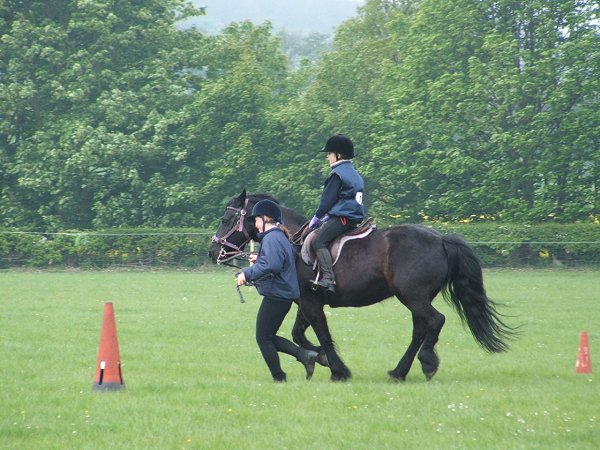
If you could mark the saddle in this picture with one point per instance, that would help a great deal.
(363, 230)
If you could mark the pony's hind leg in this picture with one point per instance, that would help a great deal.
(405, 363)
(427, 355)
(427, 324)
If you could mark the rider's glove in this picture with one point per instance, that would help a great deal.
(314, 222)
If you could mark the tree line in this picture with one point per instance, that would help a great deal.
(113, 116)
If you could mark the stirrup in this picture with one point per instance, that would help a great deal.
(314, 283)
(322, 286)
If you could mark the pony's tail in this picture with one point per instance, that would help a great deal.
(466, 293)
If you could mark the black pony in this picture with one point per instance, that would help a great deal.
(411, 262)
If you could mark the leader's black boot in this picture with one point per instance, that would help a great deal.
(308, 358)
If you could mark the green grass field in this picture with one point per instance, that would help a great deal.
(195, 379)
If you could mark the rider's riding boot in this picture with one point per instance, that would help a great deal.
(308, 358)
(327, 282)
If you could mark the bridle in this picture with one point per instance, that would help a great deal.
(229, 251)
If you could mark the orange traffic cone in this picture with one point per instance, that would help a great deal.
(108, 369)
(584, 363)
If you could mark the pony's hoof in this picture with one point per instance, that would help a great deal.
(338, 378)
(429, 375)
(396, 378)
(343, 376)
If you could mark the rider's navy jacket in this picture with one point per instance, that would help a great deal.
(276, 262)
(342, 193)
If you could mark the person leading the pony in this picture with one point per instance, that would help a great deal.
(274, 274)
(340, 208)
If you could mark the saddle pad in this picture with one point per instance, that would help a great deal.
(308, 255)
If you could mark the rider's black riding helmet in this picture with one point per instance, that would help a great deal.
(340, 143)
(266, 208)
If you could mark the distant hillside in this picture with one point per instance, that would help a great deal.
(297, 16)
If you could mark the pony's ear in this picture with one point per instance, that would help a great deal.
(240, 199)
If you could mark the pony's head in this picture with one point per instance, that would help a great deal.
(233, 233)
(235, 230)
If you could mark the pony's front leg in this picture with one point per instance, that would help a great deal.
(312, 311)
(299, 332)
(299, 337)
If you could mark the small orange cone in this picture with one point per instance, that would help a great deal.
(108, 369)
(584, 363)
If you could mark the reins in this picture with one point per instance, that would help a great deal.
(251, 283)
(297, 238)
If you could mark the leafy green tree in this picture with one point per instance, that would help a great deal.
(485, 94)
(347, 93)
(110, 115)
(229, 134)
(533, 79)
(90, 94)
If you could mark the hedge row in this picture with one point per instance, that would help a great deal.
(495, 244)
(541, 245)
(112, 248)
